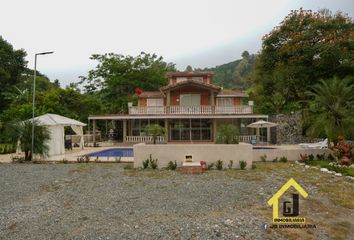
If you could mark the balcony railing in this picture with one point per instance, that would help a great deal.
(146, 139)
(161, 139)
(191, 110)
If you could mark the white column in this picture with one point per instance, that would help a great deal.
(124, 130)
(94, 131)
(166, 131)
(268, 135)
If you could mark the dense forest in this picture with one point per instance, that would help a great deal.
(236, 74)
(305, 64)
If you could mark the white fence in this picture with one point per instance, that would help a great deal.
(146, 139)
(161, 139)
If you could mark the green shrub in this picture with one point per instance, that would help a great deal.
(5, 149)
(227, 134)
(311, 157)
(330, 157)
(321, 156)
(275, 159)
(242, 164)
(254, 166)
(146, 163)
(210, 166)
(150, 162)
(172, 165)
(263, 158)
(219, 164)
(283, 159)
(230, 164)
(153, 163)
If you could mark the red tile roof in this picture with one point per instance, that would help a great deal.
(188, 74)
(232, 93)
(156, 94)
(193, 82)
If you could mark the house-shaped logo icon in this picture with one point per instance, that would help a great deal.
(274, 201)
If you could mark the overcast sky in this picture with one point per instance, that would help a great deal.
(202, 33)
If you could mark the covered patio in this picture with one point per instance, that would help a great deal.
(181, 128)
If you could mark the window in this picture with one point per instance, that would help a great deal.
(197, 79)
(190, 129)
(225, 102)
(154, 102)
(180, 79)
(190, 100)
(138, 125)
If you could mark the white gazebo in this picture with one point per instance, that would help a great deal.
(55, 124)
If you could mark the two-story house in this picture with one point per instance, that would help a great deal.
(190, 108)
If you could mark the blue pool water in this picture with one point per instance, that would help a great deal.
(113, 152)
(262, 148)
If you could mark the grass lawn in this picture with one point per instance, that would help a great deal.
(347, 171)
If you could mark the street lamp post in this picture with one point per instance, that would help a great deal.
(34, 98)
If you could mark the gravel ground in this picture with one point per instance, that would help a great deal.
(105, 201)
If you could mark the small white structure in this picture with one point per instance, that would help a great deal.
(55, 124)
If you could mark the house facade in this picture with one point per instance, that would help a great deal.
(190, 108)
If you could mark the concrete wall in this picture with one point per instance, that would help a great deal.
(290, 154)
(206, 152)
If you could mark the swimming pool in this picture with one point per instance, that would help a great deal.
(263, 148)
(113, 152)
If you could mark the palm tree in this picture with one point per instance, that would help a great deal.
(330, 108)
(23, 132)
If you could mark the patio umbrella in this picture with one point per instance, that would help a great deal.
(261, 124)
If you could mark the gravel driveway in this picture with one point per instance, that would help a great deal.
(105, 201)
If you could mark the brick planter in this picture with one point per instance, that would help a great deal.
(192, 168)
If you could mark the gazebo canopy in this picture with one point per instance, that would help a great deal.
(50, 119)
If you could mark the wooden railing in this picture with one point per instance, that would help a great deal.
(147, 139)
(191, 110)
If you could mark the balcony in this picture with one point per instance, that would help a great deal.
(191, 110)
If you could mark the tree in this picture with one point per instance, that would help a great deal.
(189, 69)
(23, 132)
(306, 47)
(154, 130)
(227, 134)
(117, 76)
(243, 70)
(330, 109)
(12, 65)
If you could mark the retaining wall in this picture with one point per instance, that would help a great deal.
(200, 152)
